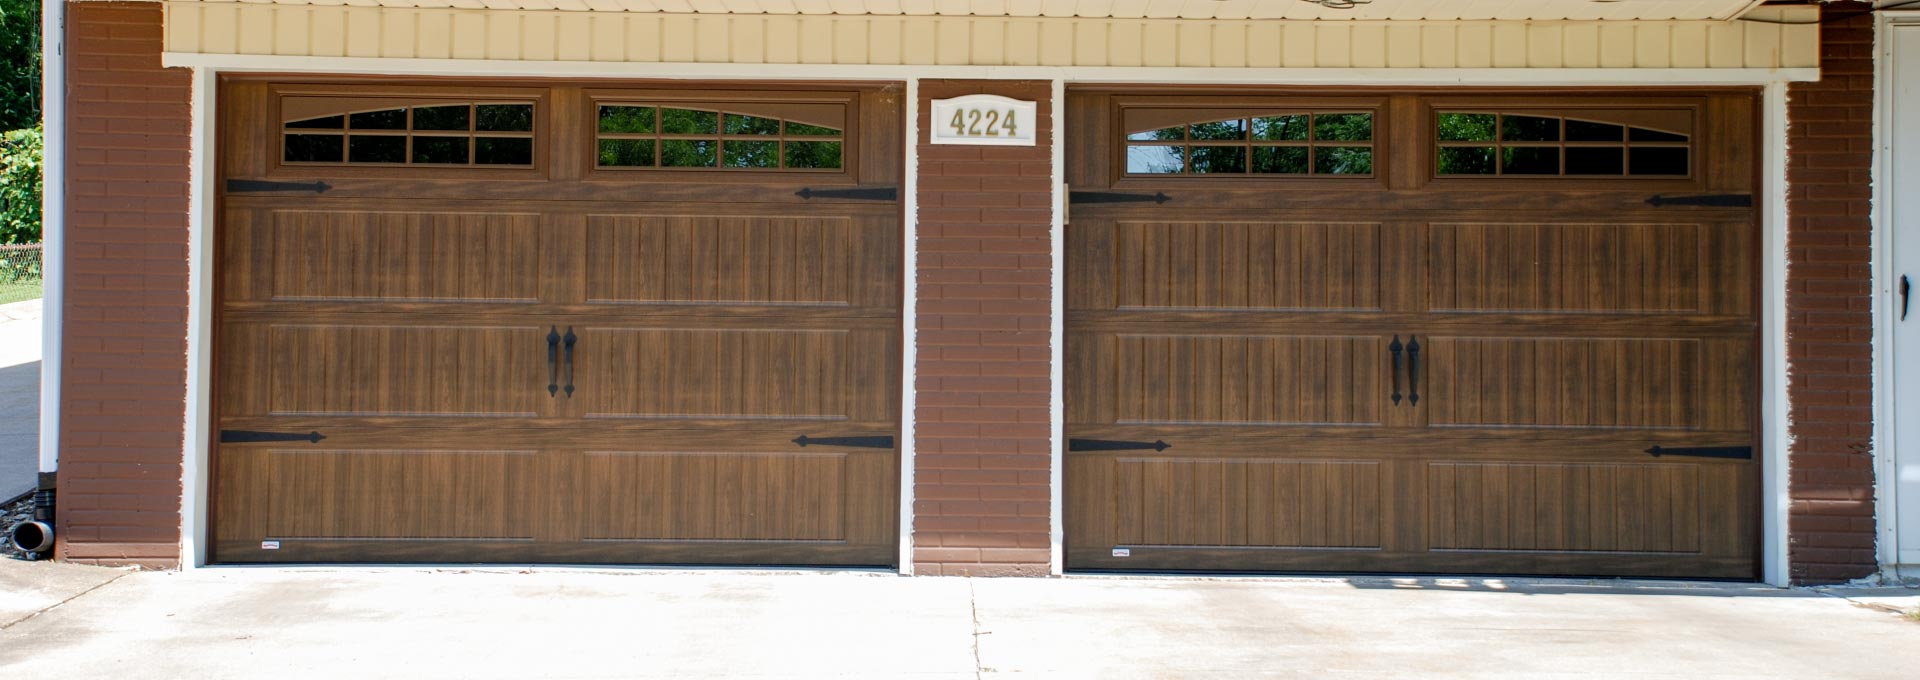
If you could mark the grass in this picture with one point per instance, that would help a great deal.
(17, 291)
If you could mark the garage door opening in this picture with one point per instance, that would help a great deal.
(539, 322)
(1500, 332)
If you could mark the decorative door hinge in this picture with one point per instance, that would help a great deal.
(876, 194)
(1737, 452)
(250, 436)
(247, 186)
(1084, 197)
(1111, 445)
(1710, 200)
(880, 442)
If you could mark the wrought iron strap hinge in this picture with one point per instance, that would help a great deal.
(1085, 197)
(880, 442)
(1709, 201)
(247, 186)
(251, 436)
(1735, 452)
(877, 194)
(1111, 445)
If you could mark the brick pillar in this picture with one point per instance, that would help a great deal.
(981, 471)
(125, 367)
(1830, 305)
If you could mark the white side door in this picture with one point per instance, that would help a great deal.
(1903, 212)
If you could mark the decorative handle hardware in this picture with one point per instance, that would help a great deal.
(874, 194)
(249, 436)
(553, 361)
(1905, 288)
(1413, 371)
(571, 338)
(881, 442)
(1394, 349)
(1709, 201)
(1116, 197)
(1111, 445)
(1736, 452)
(247, 186)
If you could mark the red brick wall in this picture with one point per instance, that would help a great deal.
(1830, 306)
(124, 372)
(981, 471)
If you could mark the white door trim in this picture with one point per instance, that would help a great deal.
(1774, 404)
(1891, 29)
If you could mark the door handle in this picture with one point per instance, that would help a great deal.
(1394, 349)
(1413, 370)
(553, 361)
(571, 339)
(1906, 287)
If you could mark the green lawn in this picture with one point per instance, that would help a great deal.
(15, 292)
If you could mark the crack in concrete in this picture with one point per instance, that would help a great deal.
(973, 604)
(56, 605)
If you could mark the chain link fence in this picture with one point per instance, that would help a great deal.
(20, 264)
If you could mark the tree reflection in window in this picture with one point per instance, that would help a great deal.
(1488, 144)
(641, 136)
(1277, 143)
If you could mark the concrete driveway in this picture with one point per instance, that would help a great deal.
(19, 398)
(71, 621)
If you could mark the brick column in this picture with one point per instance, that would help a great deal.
(125, 366)
(1830, 305)
(981, 471)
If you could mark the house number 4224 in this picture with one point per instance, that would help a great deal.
(971, 122)
(983, 119)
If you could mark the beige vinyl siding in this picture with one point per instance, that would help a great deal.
(367, 31)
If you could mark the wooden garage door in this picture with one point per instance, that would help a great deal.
(541, 323)
(1490, 333)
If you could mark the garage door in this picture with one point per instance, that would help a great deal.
(542, 323)
(1502, 332)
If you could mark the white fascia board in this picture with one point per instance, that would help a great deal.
(1072, 74)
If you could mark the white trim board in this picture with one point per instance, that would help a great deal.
(1077, 74)
(1775, 504)
(909, 308)
(194, 484)
(1056, 336)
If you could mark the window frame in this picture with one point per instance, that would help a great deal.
(411, 97)
(1701, 143)
(719, 101)
(1213, 107)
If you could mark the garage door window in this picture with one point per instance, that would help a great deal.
(643, 136)
(1593, 144)
(348, 132)
(1268, 143)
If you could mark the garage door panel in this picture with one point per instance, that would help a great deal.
(1586, 383)
(375, 494)
(1248, 379)
(412, 371)
(1247, 265)
(1570, 268)
(1573, 507)
(406, 256)
(718, 373)
(702, 259)
(1237, 502)
(715, 496)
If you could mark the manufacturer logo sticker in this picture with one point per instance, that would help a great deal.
(1123, 552)
(269, 545)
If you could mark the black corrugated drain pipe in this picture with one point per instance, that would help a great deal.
(35, 536)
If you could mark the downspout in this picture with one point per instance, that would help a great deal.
(53, 220)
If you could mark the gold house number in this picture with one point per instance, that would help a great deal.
(972, 122)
